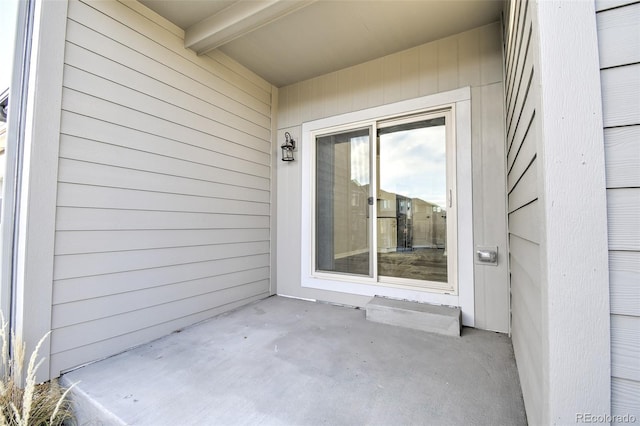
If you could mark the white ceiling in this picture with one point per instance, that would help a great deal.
(322, 36)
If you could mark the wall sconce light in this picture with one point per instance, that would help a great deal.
(288, 147)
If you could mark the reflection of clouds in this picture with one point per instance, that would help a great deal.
(413, 164)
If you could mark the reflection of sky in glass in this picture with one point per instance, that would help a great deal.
(413, 164)
(360, 160)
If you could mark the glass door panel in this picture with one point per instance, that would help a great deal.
(342, 190)
(412, 200)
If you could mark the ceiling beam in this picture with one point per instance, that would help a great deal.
(239, 19)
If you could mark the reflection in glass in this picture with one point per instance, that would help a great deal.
(412, 194)
(342, 192)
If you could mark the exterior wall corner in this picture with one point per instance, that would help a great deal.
(574, 261)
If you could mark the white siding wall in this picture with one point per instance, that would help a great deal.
(557, 220)
(472, 58)
(523, 205)
(619, 43)
(163, 208)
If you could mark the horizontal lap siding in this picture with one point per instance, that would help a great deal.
(619, 44)
(472, 58)
(163, 188)
(525, 227)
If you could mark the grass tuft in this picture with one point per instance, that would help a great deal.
(32, 404)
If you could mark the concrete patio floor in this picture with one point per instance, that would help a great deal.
(282, 361)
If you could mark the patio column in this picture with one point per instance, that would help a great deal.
(574, 260)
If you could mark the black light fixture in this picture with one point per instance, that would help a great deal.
(288, 147)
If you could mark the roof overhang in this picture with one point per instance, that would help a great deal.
(286, 41)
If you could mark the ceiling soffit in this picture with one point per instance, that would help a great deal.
(286, 41)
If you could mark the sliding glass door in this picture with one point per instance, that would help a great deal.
(384, 201)
(343, 185)
(412, 199)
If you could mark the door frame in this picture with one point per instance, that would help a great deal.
(374, 277)
(459, 101)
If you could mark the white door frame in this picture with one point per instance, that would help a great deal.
(460, 99)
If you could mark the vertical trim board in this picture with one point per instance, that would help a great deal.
(571, 161)
(36, 195)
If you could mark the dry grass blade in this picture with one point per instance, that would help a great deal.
(59, 406)
(31, 380)
(33, 404)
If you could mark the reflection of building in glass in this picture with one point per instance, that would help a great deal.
(387, 222)
(409, 223)
(403, 223)
(350, 211)
(429, 224)
(342, 188)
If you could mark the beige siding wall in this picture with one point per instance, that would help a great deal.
(163, 210)
(472, 58)
(523, 205)
(619, 44)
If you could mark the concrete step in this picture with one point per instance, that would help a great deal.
(445, 320)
